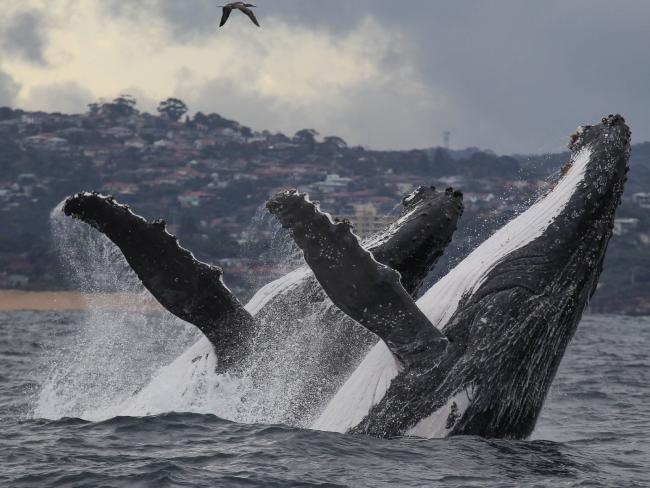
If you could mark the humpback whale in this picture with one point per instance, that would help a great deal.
(284, 316)
(475, 354)
(478, 352)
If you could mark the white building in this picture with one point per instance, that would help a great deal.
(367, 221)
(642, 199)
(332, 183)
(623, 226)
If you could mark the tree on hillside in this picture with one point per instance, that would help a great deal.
(246, 132)
(93, 108)
(122, 106)
(172, 108)
(7, 113)
(335, 141)
(201, 118)
(125, 104)
(306, 136)
(332, 147)
(215, 121)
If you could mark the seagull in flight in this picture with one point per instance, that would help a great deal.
(244, 7)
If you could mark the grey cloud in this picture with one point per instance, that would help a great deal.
(192, 19)
(519, 76)
(68, 97)
(24, 35)
(523, 75)
(186, 21)
(230, 100)
(350, 115)
(8, 90)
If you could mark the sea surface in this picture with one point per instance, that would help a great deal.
(594, 430)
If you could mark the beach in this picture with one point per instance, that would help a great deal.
(15, 300)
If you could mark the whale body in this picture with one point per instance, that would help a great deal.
(506, 313)
(476, 354)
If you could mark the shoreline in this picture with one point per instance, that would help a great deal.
(53, 301)
(18, 300)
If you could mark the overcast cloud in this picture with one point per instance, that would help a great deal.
(511, 75)
(22, 34)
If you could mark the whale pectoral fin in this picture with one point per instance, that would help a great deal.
(415, 241)
(190, 289)
(366, 290)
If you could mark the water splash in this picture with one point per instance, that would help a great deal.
(270, 252)
(117, 349)
(141, 360)
(137, 361)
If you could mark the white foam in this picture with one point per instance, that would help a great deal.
(190, 383)
(115, 367)
(112, 353)
(275, 288)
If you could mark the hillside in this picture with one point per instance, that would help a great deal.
(209, 177)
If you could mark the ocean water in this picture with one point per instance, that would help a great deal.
(594, 430)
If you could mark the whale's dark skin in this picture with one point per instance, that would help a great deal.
(504, 343)
(195, 292)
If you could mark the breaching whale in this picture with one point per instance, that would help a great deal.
(476, 354)
(281, 321)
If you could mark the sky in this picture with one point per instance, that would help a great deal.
(507, 75)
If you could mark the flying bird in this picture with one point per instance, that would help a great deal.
(244, 7)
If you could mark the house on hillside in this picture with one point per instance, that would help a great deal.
(642, 199)
(367, 220)
(48, 142)
(623, 226)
